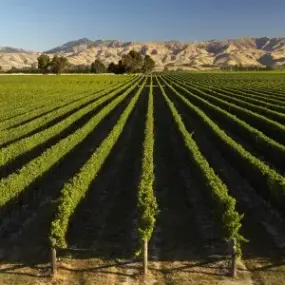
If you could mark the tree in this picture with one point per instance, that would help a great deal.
(98, 66)
(14, 69)
(133, 61)
(43, 63)
(81, 68)
(112, 68)
(58, 64)
(1, 69)
(148, 64)
(117, 68)
(34, 66)
(165, 69)
(120, 68)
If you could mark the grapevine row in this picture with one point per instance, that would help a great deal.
(275, 94)
(51, 107)
(14, 150)
(266, 180)
(274, 151)
(230, 98)
(147, 206)
(252, 96)
(40, 102)
(229, 219)
(263, 97)
(47, 112)
(15, 183)
(75, 189)
(25, 129)
(271, 128)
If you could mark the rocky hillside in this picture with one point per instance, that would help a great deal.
(199, 55)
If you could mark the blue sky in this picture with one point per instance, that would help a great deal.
(44, 24)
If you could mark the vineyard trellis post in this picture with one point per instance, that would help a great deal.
(53, 257)
(234, 257)
(145, 257)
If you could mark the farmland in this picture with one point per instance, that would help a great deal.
(105, 166)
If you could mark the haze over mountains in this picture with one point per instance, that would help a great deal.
(198, 55)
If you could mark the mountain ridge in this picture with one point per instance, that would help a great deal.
(262, 51)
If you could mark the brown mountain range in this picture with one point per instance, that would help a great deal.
(174, 54)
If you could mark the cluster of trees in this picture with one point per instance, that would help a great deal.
(27, 70)
(133, 62)
(55, 65)
(59, 64)
(98, 67)
(166, 69)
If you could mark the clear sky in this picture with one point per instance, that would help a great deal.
(44, 24)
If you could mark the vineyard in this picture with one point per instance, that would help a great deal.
(173, 175)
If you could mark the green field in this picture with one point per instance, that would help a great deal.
(100, 164)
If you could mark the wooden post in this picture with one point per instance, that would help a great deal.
(53, 257)
(234, 258)
(145, 257)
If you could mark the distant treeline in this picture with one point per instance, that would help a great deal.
(250, 68)
(133, 62)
